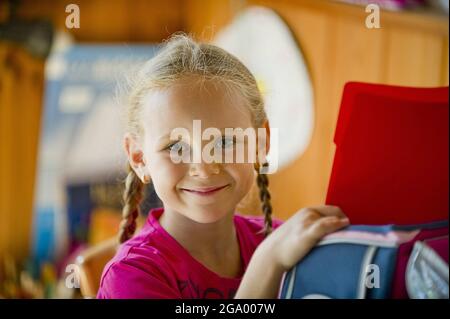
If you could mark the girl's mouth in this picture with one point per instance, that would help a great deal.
(204, 191)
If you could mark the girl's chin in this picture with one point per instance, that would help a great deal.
(205, 215)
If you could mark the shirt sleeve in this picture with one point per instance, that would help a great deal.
(131, 280)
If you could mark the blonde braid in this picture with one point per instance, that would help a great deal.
(132, 197)
(263, 183)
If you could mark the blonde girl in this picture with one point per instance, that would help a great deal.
(197, 245)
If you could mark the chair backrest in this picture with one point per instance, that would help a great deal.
(91, 263)
(392, 154)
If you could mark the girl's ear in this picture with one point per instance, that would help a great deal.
(135, 156)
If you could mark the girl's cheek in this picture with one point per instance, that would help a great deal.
(166, 177)
(243, 175)
(170, 172)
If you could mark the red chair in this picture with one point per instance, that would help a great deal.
(392, 155)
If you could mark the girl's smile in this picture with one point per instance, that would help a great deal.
(208, 196)
(204, 191)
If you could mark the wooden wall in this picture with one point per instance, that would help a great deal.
(408, 49)
(21, 88)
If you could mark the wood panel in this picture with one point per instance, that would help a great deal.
(6, 176)
(21, 79)
(415, 59)
(204, 19)
(111, 20)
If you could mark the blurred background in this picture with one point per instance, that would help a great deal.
(61, 158)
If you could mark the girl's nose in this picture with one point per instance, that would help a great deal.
(204, 170)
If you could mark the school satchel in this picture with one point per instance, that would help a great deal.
(390, 171)
(374, 262)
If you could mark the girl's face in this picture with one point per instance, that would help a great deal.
(202, 192)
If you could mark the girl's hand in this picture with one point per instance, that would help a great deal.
(291, 241)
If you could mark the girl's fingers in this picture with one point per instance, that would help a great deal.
(329, 210)
(327, 225)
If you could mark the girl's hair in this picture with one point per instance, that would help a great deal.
(181, 56)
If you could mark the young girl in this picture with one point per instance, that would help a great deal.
(197, 246)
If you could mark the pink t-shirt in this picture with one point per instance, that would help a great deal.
(154, 265)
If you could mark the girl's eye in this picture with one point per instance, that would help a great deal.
(225, 142)
(178, 147)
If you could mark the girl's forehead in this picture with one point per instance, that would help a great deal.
(178, 106)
